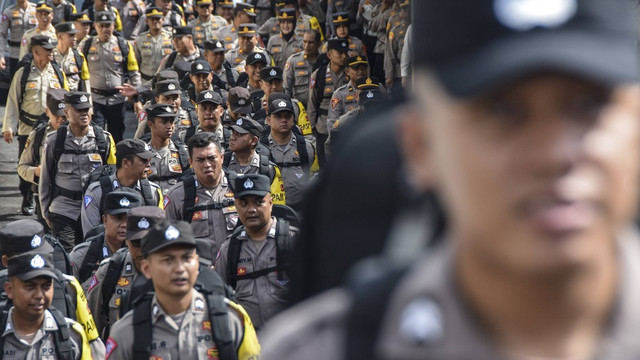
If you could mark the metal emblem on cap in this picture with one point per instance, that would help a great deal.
(344, 44)
(239, 122)
(36, 241)
(241, 102)
(369, 94)
(104, 17)
(248, 184)
(273, 72)
(219, 44)
(171, 233)
(368, 81)
(37, 262)
(62, 106)
(83, 98)
(171, 87)
(522, 15)
(208, 95)
(199, 66)
(125, 202)
(167, 109)
(282, 104)
(258, 56)
(421, 322)
(143, 224)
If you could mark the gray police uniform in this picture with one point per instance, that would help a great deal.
(94, 291)
(393, 51)
(252, 168)
(25, 42)
(297, 72)
(71, 70)
(130, 13)
(150, 50)
(27, 165)
(282, 49)
(13, 25)
(213, 225)
(344, 99)
(263, 296)
(219, 133)
(189, 339)
(165, 167)
(43, 343)
(378, 25)
(269, 27)
(199, 53)
(182, 123)
(79, 252)
(205, 30)
(90, 212)
(170, 20)
(222, 74)
(355, 45)
(332, 82)
(60, 11)
(295, 177)
(237, 58)
(228, 35)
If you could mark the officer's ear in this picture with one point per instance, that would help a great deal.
(415, 146)
(8, 288)
(5, 261)
(144, 267)
(104, 219)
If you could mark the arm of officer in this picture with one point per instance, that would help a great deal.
(90, 209)
(12, 110)
(173, 202)
(47, 174)
(26, 168)
(312, 156)
(390, 58)
(119, 345)
(5, 22)
(244, 334)
(221, 260)
(139, 26)
(311, 106)
(94, 296)
(83, 314)
(79, 343)
(132, 67)
(289, 81)
(336, 108)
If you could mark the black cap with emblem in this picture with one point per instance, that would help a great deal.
(120, 201)
(251, 184)
(166, 233)
(66, 27)
(214, 45)
(141, 219)
(21, 236)
(55, 101)
(256, 57)
(161, 111)
(245, 125)
(239, 100)
(247, 8)
(31, 264)
(200, 67)
(355, 61)
(280, 105)
(153, 13)
(104, 17)
(168, 87)
(338, 44)
(179, 31)
(81, 17)
(340, 18)
(78, 100)
(42, 40)
(271, 73)
(368, 97)
(209, 96)
(287, 14)
(367, 83)
(134, 146)
(44, 6)
(247, 30)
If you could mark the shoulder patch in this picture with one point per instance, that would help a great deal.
(87, 200)
(110, 346)
(166, 201)
(94, 283)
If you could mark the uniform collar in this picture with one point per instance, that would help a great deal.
(198, 305)
(48, 325)
(270, 235)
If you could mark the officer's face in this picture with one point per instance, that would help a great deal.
(342, 31)
(104, 30)
(241, 142)
(356, 73)
(254, 211)
(138, 167)
(155, 23)
(246, 43)
(31, 297)
(83, 30)
(44, 18)
(207, 165)
(209, 115)
(309, 44)
(243, 18)
(204, 11)
(183, 43)
(41, 54)
(201, 82)
(215, 59)
(281, 122)
(115, 227)
(164, 5)
(67, 40)
(337, 57)
(535, 177)
(174, 100)
(136, 252)
(286, 27)
(226, 13)
(79, 118)
(253, 71)
(269, 87)
(55, 121)
(173, 270)
(161, 128)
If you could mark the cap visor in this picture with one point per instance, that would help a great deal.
(239, 130)
(136, 235)
(246, 109)
(279, 110)
(147, 154)
(116, 211)
(199, 72)
(82, 106)
(36, 273)
(251, 193)
(167, 244)
(606, 59)
(171, 92)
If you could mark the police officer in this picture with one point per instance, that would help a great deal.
(82, 24)
(86, 256)
(26, 102)
(209, 116)
(225, 10)
(256, 244)
(71, 154)
(324, 81)
(253, 64)
(341, 6)
(185, 49)
(130, 11)
(168, 92)
(247, 41)
(175, 298)
(112, 62)
(286, 42)
(238, 104)
(44, 15)
(224, 76)
(345, 98)
(206, 24)
(99, 6)
(133, 158)
(243, 13)
(62, 10)
(341, 23)
(29, 165)
(72, 62)
(201, 78)
(127, 260)
(205, 199)
(378, 26)
(299, 66)
(172, 17)
(393, 48)
(242, 157)
(293, 155)
(16, 19)
(172, 158)
(152, 45)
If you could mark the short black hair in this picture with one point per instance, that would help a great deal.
(119, 159)
(316, 34)
(202, 140)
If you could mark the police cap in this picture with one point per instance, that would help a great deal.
(286, 14)
(280, 105)
(66, 27)
(247, 8)
(200, 67)
(42, 40)
(21, 236)
(239, 100)
(247, 29)
(370, 96)
(338, 44)
(209, 96)
(141, 219)
(55, 101)
(168, 87)
(136, 147)
(179, 31)
(245, 125)
(340, 18)
(120, 201)
(270, 73)
(44, 6)
(81, 17)
(167, 75)
(165, 233)
(367, 83)
(214, 45)
(153, 13)
(356, 61)
(251, 184)
(31, 264)
(256, 57)
(104, 17)
(78, 100)
(161, 111)
(227, 4)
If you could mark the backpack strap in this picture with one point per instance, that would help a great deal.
(171, 59)
(228, 74)
(233, 256)
(283, 247)
(220, 331)
(95, 253)
(147, 192)
(183, 156)
(23, 79)
(62, 337)
(301, 143)
(59, 74)
(191, 130)
(189, 198)
(227, 159)
(101, 143)
(319, 86)
(87, 45)
(265, 166)
(38, 138)
(114, 269)
(142, 329)
(106, 185)
(226, 135)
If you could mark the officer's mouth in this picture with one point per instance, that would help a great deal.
(180, 281)
(38, 307)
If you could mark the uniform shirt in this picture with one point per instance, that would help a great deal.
(318, 113)
(34, 98)
(219, 133)
(170, 20)
(344, 99)
(60, 11)
(74, 73)
(236, 58)
(182, 122)
(297, 72)
(14, 23)
(274, 174)
(190, 340)
(356, 46)
(109, 68)
(150, 50)
(94, 291)
(337, 128)
(295, 177)
(393, 51)
(222, 75)
(205, 30)
(199, 53)
(378, 25)
(71, 171)
(281, 49)
(25, 43)
(26, 165)
(130, 12)
(165, 167)
(269, 28)
(264, 296)
(79, 252)
(228, 36)
(43, 345)
(213, 225)
(91, 214)
(306, 22)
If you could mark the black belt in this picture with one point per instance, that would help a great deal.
(288, 164)
(164, 178)
(28, 119)
(13, 43)
(73, 195)
(105, 92)
(217, 205)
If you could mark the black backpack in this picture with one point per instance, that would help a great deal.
(96, 253)
(103, 174)
(301, 144)
(189, 205)
(38, 138)
(264, 163)
(25, 63)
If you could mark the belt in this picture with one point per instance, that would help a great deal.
(73, 195)
(105, 92)
(28, 119)
(13, 43)
(164, 178)
(216, 205)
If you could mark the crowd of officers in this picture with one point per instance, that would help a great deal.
(237, 105)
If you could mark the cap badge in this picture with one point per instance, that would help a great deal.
(273, 72)
(282, 104)
(241, 102)
(369, 95)
(245, 29)
(83, 98)
(239, 122)
(36, 241)
(421, 322)
(143, 224)
(199, 67)
(358, 58)
(124, 202)
(147, 147)
(171, 233)
(368, 81)
(522, 15)
(339, 17)
(219, 44)
(344, 44)
(167, 109)
(104, 17)
(62, 106)
(174, 31)
(208, 95)
(37, 262)
(258, 56)
(171, 87)
(248, 184)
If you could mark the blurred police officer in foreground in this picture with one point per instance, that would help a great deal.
(531, 139)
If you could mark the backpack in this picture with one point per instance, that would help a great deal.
(38, 139)
(103, 174)
(189, 206)
(264, 163)
(183, 158)
(61, 338)
(25, 62)
(171, 59)
(122, 44)
(301, 145)
(214, 291)
(95, 253)
(321, 81)
(226, 134)
(284, 245)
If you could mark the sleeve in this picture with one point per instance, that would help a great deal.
(313, 158)
(83, 313)
(132, 67)
(289, 80)
(111, 159)
(75, 259)
(311, 106)
(277, 187)
(249, 347)
(405, 58)
(137, 52)
(221, 261)
(24, 48)
(84, 71)
(26, 166)
(94, 297)
(80, 344)
(335, 110)
(119, 344)
(46, 175)
(173, 207)
(5, 22)
(12, 110)
(390, 56)
(139, 26)
(90, 208)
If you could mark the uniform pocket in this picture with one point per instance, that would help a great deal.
(65, 165)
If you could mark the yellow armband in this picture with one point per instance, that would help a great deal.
(277, 188)
(249, 347)
(85, 320)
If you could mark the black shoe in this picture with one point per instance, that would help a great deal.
(28, 205)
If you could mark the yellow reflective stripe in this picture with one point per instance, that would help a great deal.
(303, 121)
(277, 188)
(84, 70)
(132, 62)
(249, 347)
(316, 26)
(86, 350)
(118, 20)
(85, 320)
(160, 199)
(111, 160)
